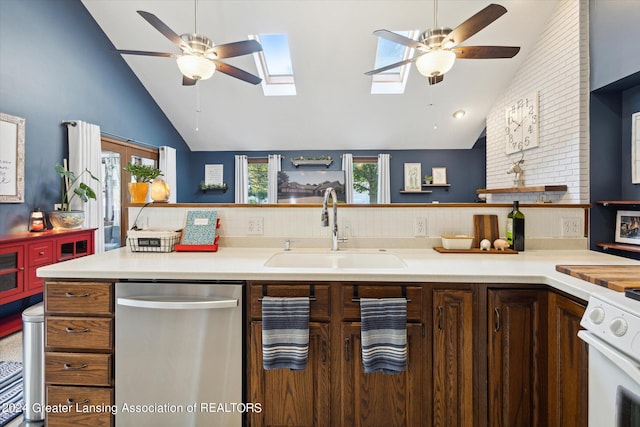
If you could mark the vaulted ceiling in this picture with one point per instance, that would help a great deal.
(331, 46)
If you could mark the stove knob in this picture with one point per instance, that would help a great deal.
(618, 326)
(596, 315)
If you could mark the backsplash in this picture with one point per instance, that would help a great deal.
(382, 226)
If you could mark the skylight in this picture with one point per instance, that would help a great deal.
(392, 81)
(274, 65)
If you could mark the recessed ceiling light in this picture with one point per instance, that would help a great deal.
(459, 114)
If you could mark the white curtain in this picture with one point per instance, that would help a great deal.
(384, 179)
(85, 153)
(167, 164)
(242, 179)
(347, 167)
(274, 166)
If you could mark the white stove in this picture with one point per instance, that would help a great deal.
(612, 330)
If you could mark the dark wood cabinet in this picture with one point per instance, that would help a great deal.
(517, 364)
(568, 364)
(21, 254)
(453, 357)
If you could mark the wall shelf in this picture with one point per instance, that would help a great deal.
(222, 189)
(416, 192)
(625, 203)
(619, 247)
(528, 189)
(445, 186)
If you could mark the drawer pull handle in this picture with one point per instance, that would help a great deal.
(41, 253)
(70, 295)
(70, 401)
(76, 331)
(70, 367)
(497, 325)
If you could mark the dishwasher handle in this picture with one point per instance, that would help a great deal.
(177, 302)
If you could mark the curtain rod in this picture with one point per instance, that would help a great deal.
(73, 123)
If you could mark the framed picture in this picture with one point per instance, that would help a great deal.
(412, 177)
(309, 186)
(439, 175)
(635, 148)
(11, 158)
(628, 227)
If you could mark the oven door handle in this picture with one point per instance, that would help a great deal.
(178, 303)
(617, 358)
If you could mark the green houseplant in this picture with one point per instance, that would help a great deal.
(72, 187)
(142, 175)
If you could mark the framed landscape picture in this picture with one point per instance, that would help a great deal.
(309, 186)
(628, 227)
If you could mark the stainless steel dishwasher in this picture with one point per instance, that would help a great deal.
(178, 354)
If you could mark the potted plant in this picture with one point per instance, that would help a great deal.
(142, 175)
(72, 187)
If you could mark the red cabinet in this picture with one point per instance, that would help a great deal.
(21, 254)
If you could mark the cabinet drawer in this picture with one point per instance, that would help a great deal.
(85, 406)
(351, 309)
(85, 333)
(41, 253)
(320, 309)
(78, 368)
(79, 298)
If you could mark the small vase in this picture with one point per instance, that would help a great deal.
(66, 219)
(138, 191)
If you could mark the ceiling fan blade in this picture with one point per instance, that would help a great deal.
(237, 73)
(186, 81)
(435, 79)
(397, 38)
(391, 66)
(474, 24)
(240, 48)
(163, 28)
(146, 53)
(485, 52)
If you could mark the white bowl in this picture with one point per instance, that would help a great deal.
(457, 241)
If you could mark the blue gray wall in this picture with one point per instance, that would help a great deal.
(57, 64)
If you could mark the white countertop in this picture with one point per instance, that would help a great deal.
(423, 265)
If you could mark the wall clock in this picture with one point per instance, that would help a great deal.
(521, 124)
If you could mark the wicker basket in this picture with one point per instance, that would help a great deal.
(152, 240)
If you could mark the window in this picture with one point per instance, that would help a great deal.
(392, 81)
(365, 180)
(274, 64)
(258, 181)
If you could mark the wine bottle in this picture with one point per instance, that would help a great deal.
(515, 228)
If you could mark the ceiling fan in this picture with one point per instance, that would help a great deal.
(438, 47)
(200, 57)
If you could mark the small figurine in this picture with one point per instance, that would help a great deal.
(500, 244)
(485, 244)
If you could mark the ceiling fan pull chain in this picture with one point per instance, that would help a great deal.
(435, 13)
(196, 17)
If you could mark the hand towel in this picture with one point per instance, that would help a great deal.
(285, 332)
(384, 334)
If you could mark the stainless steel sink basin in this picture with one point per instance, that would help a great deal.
(338, 259)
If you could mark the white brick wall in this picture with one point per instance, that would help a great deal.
(558, 69)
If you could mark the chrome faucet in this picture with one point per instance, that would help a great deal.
(324, 220)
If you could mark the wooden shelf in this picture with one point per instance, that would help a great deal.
(619, 202)
(619, 247)
(436, 185)
(416, 192)
(529, 189)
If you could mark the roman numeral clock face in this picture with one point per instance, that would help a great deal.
(521, 124)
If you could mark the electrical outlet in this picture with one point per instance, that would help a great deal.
(255, 225)
(420, 227)
(570, 227)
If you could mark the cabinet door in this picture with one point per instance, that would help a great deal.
(453, 357)
(517, 357)
(12, 272)
(568, 363)
(378, 399)
(291, 398)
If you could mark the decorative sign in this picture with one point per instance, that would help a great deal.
(11, 158)
(213, 174)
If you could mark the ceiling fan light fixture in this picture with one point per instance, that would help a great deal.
(196, 67)
(435, 62)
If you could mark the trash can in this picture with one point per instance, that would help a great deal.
(33, 362)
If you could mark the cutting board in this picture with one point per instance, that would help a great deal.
(615, 277)
(485, 227)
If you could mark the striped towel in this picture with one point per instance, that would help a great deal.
(285, 332)
(384, 334)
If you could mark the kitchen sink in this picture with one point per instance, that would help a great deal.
(337, 259)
